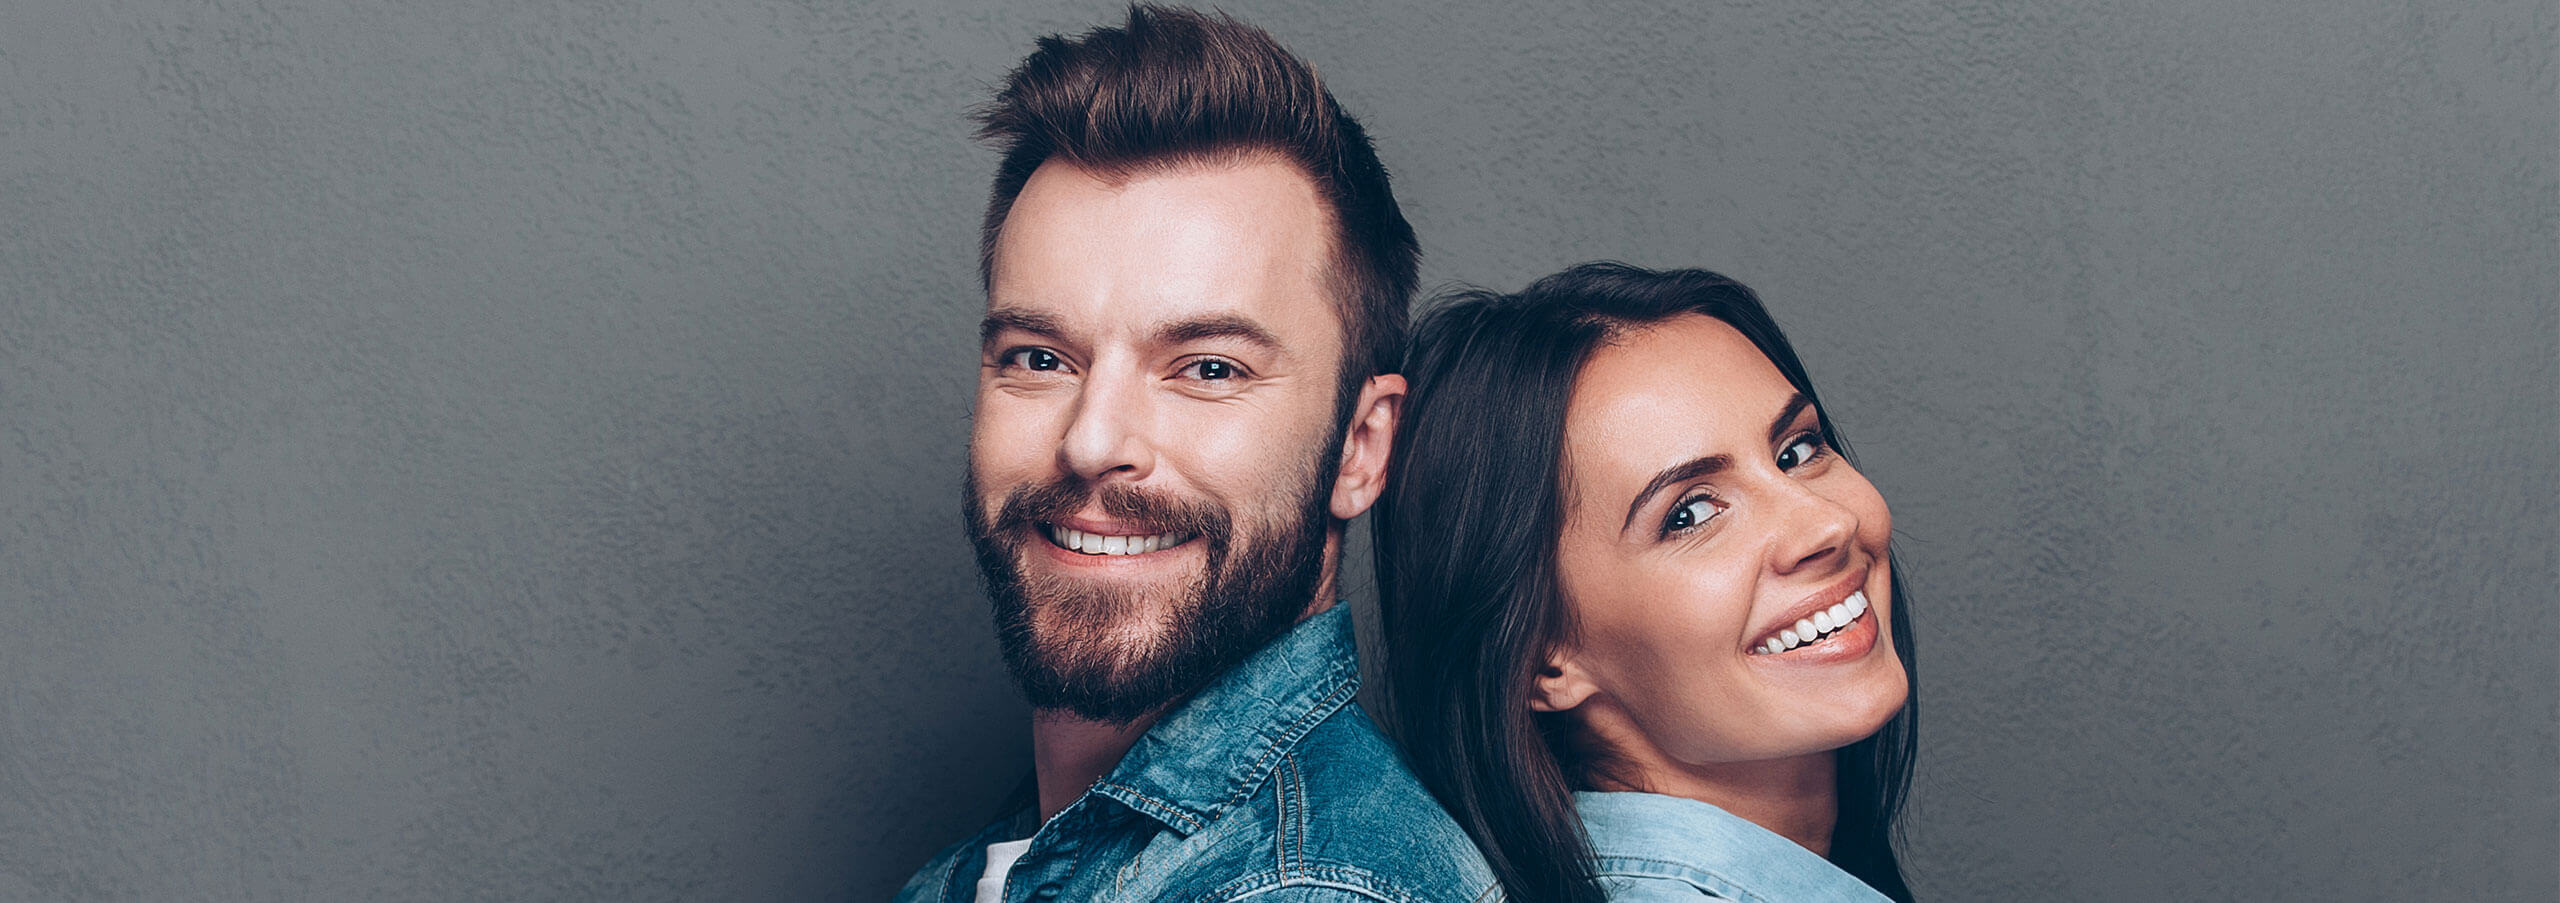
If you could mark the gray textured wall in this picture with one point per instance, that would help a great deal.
(509, 450)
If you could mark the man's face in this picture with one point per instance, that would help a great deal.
(1155, 443)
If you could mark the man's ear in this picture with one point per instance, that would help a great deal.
(1561, 684)
(1369, 440)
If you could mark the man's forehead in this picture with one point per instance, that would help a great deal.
(1258, 208)
(1176, 327)
(1157, 252)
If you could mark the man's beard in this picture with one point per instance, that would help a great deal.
(1084, 646)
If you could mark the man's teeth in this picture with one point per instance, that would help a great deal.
(1098, 544)
(1820, 626)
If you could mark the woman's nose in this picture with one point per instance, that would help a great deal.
(1814, 530)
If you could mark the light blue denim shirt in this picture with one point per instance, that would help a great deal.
(1269, 784)
(1655, 847)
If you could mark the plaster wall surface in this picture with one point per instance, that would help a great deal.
(495, 450)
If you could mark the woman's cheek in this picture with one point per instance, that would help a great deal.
(1875, 520)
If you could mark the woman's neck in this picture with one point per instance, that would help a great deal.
(1797, 798)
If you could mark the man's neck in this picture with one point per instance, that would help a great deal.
(1070, 752)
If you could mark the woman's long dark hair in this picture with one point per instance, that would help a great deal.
(1466, 558)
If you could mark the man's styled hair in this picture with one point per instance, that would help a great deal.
(1175, 87)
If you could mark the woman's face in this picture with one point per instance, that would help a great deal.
(1725, 567)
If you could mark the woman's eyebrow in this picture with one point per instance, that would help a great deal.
(1712, 464)
(1679, 473)
(1787, 417)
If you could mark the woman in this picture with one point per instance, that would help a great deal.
(1644, 632)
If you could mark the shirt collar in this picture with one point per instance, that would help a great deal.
(1651, 828)
(1213, 750)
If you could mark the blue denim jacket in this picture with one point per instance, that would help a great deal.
(1655, 847)
(1269, 784)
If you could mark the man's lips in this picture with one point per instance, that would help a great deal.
(1123, 541)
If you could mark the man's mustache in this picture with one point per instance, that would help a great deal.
(1056, 500)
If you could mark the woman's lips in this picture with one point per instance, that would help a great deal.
(1818, 628)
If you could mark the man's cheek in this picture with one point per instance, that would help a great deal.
(1002, 454)
(1248, 437)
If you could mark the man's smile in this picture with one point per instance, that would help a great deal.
(1085, 543)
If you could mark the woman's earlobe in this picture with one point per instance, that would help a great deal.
(1559, 687)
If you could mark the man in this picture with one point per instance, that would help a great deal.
(1196, 287)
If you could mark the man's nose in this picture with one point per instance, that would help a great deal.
(1109, 437)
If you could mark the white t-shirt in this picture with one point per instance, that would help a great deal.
(1000, 857)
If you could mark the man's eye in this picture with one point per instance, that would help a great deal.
(1805, 448)
(1690, 514)
(1212, 369)
(1034, 359)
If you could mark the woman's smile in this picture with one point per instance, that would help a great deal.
(1835, 624)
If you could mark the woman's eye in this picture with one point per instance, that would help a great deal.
(1034, 359)
(1805, 448)
(1690, 514)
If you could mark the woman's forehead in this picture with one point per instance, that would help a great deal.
(1665, 393)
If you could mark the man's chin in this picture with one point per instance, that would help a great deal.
(1111, 671)
(1113, 634)
(1102, 627)
(1118, 656)
(1102, 685)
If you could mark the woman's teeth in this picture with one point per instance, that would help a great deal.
(1098, 544)
(1820, 626)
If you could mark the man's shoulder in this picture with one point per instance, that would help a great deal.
(1349, 764)
(930, 883)
(1350, 813)
(1313, 892)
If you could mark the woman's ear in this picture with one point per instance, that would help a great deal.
(1561, 684)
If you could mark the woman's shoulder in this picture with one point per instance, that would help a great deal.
(1647, 846)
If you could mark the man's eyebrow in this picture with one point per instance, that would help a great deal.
(1787, 417)
(1007, 318)
(1217, 326)
(1680, 473)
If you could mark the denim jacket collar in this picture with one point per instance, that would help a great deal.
(1649, 835)
(1212, 751)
